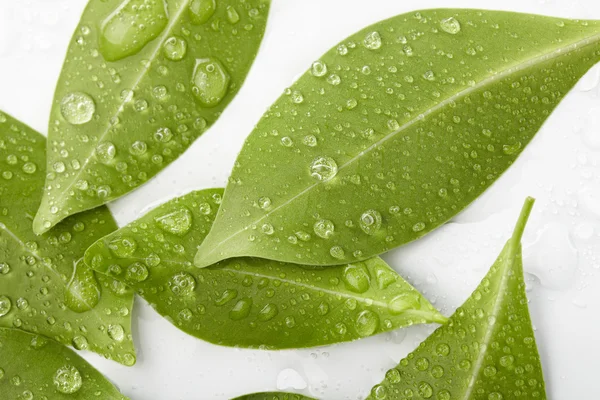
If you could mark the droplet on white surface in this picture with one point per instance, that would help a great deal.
(290, 379)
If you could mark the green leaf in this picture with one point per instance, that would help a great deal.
(130, 100)
(252, 302)
(45, 287)
(394, 131)
(34, 367)
(487, 349)
(273, 396)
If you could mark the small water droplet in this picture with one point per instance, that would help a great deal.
(175, 48)
(122, 247)
(372, 41)
(210, 82)
(5, 305)
(366, 323)
(318, 69)
(450, 25)
(83, 290)
(177, 222)
(324, 228)
(116, 332)
(77, 108)
(356, 278)
(337, 252)
(370, 222)
(323, 168)
(232, 15)
(106, 152)
(201, 10)
(67, 379)
(183, 284)
(241, 309)
(136, 273)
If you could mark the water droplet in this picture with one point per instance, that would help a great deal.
(4, 268)
(366, 323)
(442, 349)
(29, 168)
(267, 229)
(210, 82)
(83, 290)
(334, 79)
(232, 15)
(425, 390)
(297, 97)
(226, 297)
(450, 25)
(123, 247)
(205, 208)
(163, 135)
(370, 222)
(356, 278)
(138, 148)
(132, 25)
(77, 108)
(372, 41)
(418, 227)
(268, 312)
(201, 10)
(429, 75)
(318, 69)
(116, 332)
(80, 342)
(5, 305)
(241, 309)
(136, 272)
(67, 379)
(337, 252)
(175, 48)
(264, 203)
(510, 149)
(404, 302)
(178, 222)
(324, 228)
(323, 168)
(287, 141)
(183, 284)
(310, 140)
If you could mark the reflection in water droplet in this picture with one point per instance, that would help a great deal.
(323, 168)
(83, 290)
(210, 82)
(77, 108)
(67, 379)
(132, 25)
(178, 222)
(201, 10)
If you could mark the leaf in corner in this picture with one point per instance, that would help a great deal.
(45, 287)
(141, 81)
(273, 396)
(486, 350)
(394, 131)
(35, 367)
(252, 302)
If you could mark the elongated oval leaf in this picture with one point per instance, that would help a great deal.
(252, 302)
(394, 131)
(487, 349)
(34, 367)
(273, 396)
(141, 81)
(45, 287)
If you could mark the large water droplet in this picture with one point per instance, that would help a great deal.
(323, 168)
(367, 323)
(177, 222)
(324, 228)
(77, 108)
(370, 222)
(116, 332)
(183, 284)
(5, 305)
(210, 82)
(241, 309)
(201, 10)
(67, 379)
(132, 25)
(450, 25)
(175, 48)
(403, 302)
(83, 290)
(372, 41)
(356, 278)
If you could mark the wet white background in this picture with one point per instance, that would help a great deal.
(561, 168)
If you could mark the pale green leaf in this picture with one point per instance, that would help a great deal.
(142, 79)
(273, 396)
(45, 287)
(394, 131)
(252, 302)
(34, 367)
(486, 351)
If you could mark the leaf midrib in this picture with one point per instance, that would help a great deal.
(142, 75)
(555, 53)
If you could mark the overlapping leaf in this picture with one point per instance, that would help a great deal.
(141, 81)
(34, 367)
(45, 287)
(252, 302)
(394, 131)
(487, 349)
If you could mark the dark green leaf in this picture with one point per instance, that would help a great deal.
(141, 81)
(45, 287)
(487, 349)
(34, 367)
(273, 396)
(252, 302)
(394, 131)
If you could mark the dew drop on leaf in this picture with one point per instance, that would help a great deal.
(77, 108)
(67, 379)
(175, 48)
(323, 168)
(450, 25)
(210, 82)
(178, 222)
(122, 247)
(201, 10)
(324, 228)
(183, 284)
(5, 305)
(370, 222)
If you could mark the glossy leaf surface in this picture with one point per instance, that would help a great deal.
(273, 396)
(45, 287)
(487, 349)
(252, 302)
(35, 367)
(394, 131)
(142, 79)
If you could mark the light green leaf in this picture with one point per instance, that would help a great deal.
(34, 367)
(142, 79)
(394, 131)
(273, 396)
(45, 287)
(487, 349)
(252, 302)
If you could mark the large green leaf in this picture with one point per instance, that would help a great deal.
(252, 302)
(273, 396)
(45, 287)
(34, 367)
(142, 79)
(394, 131)
(487, 349)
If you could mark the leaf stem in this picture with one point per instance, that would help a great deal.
(522, 221)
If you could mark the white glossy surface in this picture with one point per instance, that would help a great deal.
(561, 168)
